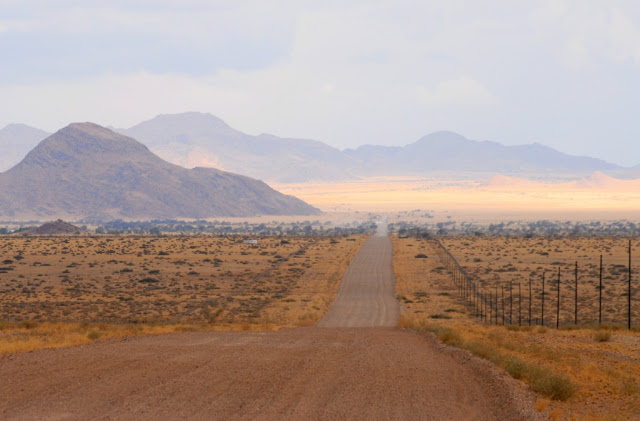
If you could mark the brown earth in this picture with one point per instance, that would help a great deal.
(302, 373)
(367, 296)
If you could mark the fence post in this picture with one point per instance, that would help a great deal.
(502, 300)
(542, 320)
(510, 303)
(496, 305)
(629, 291)
(600, 299)
(490, 308)
(576, 317)
(558, 302)
(519, 304)
(530, 299)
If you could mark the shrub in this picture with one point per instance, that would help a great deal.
(440, 316)
(446, 335)
(554, 386)
(93, 335)
(28, 324)
(421, 256)
(602, 336)
(516, 367)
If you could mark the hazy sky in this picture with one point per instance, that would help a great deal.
(562, 73)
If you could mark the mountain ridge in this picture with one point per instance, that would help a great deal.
(196, 139)
(87, 171)
(285, 160)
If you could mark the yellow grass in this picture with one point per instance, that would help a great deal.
(606, 374)
(32, 336)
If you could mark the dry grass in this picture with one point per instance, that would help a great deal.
(581, 376)
(496, 261)
(147, 284)
(31, 336)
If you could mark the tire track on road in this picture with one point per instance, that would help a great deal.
(367, 296)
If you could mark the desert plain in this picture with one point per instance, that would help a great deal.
(102, 290)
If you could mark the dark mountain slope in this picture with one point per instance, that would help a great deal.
(88, 171)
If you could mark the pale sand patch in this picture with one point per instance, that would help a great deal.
(473, 199)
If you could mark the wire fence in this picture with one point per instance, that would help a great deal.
(554, 299)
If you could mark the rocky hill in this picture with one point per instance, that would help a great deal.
(58, 227)
(88, 171)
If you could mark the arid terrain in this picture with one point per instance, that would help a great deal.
(279, 280)
(327, 372)
(596, 369)
(108, 291)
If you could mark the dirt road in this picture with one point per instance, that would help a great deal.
(304, 373)
(367, 295)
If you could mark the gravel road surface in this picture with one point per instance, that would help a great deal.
(367, 294)
(304, 373)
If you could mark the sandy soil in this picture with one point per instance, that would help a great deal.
(472, 198)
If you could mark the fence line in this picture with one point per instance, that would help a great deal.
(487, 306)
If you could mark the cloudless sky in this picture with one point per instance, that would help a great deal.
(562, 73)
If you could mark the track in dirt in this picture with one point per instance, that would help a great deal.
(303, 373)
(367, 294)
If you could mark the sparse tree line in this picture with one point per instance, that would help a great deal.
(274, 228)
(518, 228)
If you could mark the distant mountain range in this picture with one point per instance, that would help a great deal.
(16, 140)
(203, 140)
(195, 139)
(448, 151)
(86, 171)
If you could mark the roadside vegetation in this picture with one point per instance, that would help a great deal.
(26, 336)
(578, 371)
